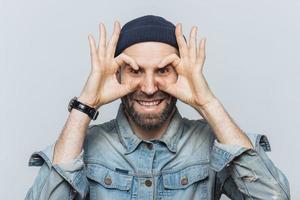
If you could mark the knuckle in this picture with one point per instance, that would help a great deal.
(121, 56)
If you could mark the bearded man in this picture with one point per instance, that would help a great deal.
(149, 151)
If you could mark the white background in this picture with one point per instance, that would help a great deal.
(252, 66)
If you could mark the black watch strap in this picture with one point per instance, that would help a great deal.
(90, 111)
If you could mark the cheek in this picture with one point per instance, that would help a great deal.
(173, 78)
(123, 76)
(170, 79)
(126, 78)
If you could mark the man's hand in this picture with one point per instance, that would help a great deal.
(102, 85)
(191, 86)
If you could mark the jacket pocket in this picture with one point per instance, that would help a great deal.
(107, 183)
(185, 182)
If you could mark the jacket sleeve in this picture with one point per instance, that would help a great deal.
(245, 173)
(58, 181)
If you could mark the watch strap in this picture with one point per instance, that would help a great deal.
(90, 111)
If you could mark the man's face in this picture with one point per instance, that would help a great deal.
(149, 107)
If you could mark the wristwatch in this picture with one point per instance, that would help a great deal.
(90, 111)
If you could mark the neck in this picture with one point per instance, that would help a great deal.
(150, 134)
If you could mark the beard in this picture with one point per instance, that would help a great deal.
(148, 121)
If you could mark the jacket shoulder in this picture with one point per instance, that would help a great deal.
(98, 134)
(198, 131)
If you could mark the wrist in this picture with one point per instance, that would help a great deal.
(83, 106)
(210, 105)
(80, 116)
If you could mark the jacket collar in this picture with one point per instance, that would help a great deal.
(131, 141)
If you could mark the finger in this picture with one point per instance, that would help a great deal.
(93, 49)
(113, 41)
(124, 59)
(183, 48)
(102, 41)
(172, 59)
(193, 44)
(201, 54)
(92, 44)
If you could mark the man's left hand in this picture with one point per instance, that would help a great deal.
(191, 86)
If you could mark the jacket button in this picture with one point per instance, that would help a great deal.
(73, 192)
(149, 146)
(108, 181)
(184, 181)
(148, 183)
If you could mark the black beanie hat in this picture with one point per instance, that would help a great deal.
(146, 28)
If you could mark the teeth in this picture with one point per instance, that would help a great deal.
(149, 103)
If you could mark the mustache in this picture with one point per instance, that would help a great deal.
(141, 95)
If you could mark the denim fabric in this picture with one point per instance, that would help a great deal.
(186, 163)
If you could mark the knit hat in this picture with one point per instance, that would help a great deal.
(146, 28)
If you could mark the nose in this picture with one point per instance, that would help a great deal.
(149, 85)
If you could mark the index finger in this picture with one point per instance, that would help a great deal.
(123, 59)
(172, 59)
(183, 48)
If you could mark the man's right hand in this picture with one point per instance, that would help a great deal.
(102, 86)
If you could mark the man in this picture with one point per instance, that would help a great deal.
(149, 151)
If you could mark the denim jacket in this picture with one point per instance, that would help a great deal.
(186, 163)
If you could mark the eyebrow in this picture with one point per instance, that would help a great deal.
(156, 67)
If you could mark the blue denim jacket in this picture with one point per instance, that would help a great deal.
(186, 163)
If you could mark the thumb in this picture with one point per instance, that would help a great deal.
(169, 88)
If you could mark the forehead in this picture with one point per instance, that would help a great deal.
(149, 53)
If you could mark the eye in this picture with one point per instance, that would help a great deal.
(131, 70)
(163, 70)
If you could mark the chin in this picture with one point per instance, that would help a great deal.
(149, 115)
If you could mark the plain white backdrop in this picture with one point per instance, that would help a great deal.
(252, 66)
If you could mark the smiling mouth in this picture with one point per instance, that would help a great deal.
(149, 103)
